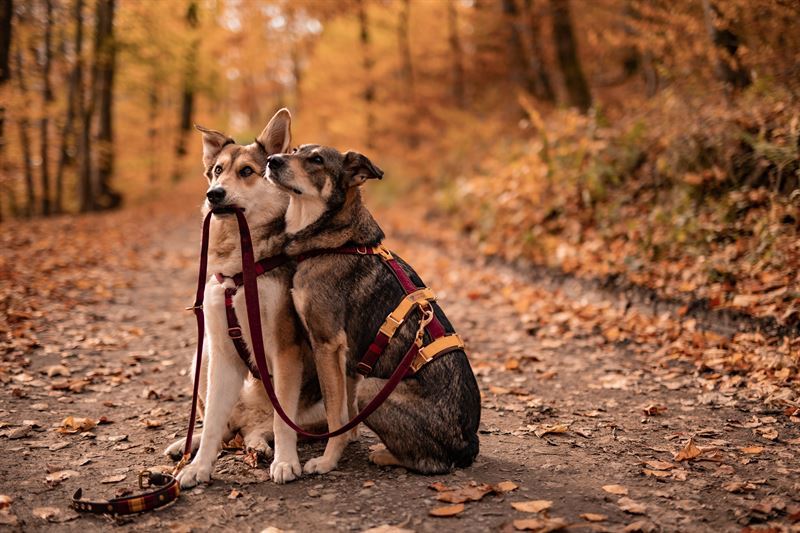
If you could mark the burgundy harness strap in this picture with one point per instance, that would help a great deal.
(235, 333)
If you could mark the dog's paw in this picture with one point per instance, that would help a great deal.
(258, 445)
(175, 450)
(284, 471)
(319, 465)
(194, 474)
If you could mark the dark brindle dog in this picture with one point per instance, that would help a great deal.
(430, 422)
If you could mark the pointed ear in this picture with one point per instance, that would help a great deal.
(277, 136)
(213, 142)
(358, 169)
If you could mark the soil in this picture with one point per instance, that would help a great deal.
(609, 410)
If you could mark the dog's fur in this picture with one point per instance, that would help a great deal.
(236, 171)
(430, 422)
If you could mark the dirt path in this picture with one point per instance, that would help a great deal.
(616, 416)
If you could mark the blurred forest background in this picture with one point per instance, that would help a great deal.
(654, 139)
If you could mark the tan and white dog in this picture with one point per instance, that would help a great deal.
(232, 400)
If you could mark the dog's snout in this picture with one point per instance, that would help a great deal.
(274, 162)
(215, 195)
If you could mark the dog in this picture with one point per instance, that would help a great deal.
(429, 423)
(235, 177)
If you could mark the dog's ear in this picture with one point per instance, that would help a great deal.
(213, 142)
(277, 136)
(357, 169)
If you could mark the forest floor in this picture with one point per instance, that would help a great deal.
(586, 411)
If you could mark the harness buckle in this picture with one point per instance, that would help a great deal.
(385, 254)
(390, 326)
(359, 248)
(144, 479)
(235, 332)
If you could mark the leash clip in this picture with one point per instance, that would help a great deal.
(194, 307)
(427, 316)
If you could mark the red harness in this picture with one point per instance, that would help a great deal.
(234, 328)
(416, 356)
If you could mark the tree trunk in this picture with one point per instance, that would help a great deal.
(520, 76)
(152, 130)
(86, 181)
(457, 55)
(24, 134)
(369, 88)
(6, 16)
(728, 66)
(107, 197)
(540, 81)
(188, 91)
(47, 99)
(74, 107)
(567, 53)
(407, 72)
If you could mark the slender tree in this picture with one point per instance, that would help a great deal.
(541, 87)
(74, 106)
(567, 53)
(47, 99)
(107, 197)
(86, 106)
(369, 84)
(728, 64)
(457, 55)
(407, 71)
(519, 70)
(24, 131)
(6, 17)
(189, 88)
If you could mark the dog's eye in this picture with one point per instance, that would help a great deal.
(317, 160)
(246, 171)
(218, 170)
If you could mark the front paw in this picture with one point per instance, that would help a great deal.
(258, 445)
(175, 450)
(284, 471)
(193, 474)
(319, 465)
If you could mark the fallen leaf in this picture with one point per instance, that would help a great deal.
(447, 510)
(465, 494)
(619, 490)
(653, 410)
(46, 513)
(532, 506)
(540, 525)
(73, 424)
(114, 479)
(640, 526)
(630, 506)
(438, 486)
(234, 494)
(55, 478)
(57, 370)
(659, 465)
(655, 473)
(752, 450)
(152, 424)
(545, 429)
(594, 517)
(688, 452)
(506, 486)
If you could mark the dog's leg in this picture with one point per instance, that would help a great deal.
(352, 404)
(226, 373)
(288, 377)
(330, 362)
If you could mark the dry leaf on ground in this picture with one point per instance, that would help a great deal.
(506, 486)
(532, 506)
(631, 506)
(447, 510)
(545, 429)
(618, 490)
(594, 517)
(540, 525)
(688, 452)
(73, 424)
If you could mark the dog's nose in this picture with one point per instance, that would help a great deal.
(274, 162)
(215, 195)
